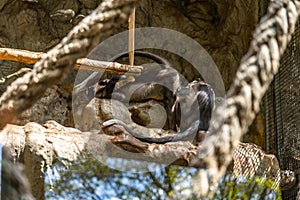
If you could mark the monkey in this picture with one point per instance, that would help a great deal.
(196, 95)
(149, 84)
(159, 83)
(147, 77)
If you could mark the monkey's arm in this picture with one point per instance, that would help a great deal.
(187, 135)
(94, 77)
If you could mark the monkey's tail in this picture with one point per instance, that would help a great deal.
(187, 135)
(144, 54)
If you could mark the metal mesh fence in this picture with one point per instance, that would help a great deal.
(283, 111)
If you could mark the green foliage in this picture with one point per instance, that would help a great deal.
(89, 179)
(231, 188)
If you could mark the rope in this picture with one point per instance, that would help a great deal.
(253, 77)
(58, 62)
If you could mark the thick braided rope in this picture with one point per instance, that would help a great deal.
(59, 61)
(253, 77)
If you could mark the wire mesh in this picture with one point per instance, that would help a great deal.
(283, 111)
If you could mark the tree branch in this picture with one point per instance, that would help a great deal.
(30, 57)
(58, 62)
(18, 55)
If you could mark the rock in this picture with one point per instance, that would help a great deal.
(52, 106)
(250, 160)
(100, 110)
(151, 114)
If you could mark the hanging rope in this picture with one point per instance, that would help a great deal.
(253, 77)
(58, 62)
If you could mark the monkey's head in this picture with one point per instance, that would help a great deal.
(105, 87)
(194, 101)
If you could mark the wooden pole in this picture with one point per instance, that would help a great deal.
(131, 26)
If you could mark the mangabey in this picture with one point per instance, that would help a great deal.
(192, 111)
(159, 82)
(193, 103)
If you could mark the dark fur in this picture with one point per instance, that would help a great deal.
(190, 108)
(187, 135)
(159, 83)
(194, 102)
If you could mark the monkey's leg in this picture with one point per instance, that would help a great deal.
(169, 101)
